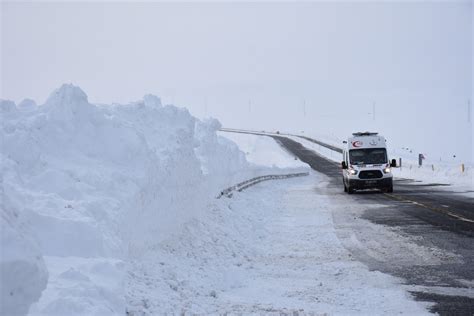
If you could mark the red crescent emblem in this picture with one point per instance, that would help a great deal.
(357, 143)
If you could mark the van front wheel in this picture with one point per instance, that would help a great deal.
(388, 189)
(350, 190)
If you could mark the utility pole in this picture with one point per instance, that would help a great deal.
(304, 107)
(469, 111)
(373, 111)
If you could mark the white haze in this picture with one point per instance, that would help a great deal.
(312, 67)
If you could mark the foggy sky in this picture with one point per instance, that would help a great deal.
(290, 66)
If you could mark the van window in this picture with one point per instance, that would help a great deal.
(368, 156)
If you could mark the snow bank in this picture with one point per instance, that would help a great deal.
(23, 273)
(82, 286)
(7, 107)
(27, 105)
(88, 184)
(434, 171)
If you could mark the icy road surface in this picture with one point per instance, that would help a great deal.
(271, 249)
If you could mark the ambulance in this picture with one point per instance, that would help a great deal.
(365, 163)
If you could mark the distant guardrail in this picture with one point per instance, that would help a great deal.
(243, 131)
(239, 187)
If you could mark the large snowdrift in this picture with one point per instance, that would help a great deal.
(85, 187)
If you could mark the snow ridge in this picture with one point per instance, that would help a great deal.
(86, 187)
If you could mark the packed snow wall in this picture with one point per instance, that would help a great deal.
(90, 181)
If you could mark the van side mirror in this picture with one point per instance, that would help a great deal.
(393, 164)
(343, 164)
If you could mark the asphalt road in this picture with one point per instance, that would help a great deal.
(436, 218)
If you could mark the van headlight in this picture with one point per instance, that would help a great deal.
(353, 172)
(387, 170)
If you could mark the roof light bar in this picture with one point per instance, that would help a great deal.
(364, 134)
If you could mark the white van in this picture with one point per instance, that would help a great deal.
(365, 163)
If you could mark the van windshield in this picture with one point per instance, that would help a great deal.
(368, 156)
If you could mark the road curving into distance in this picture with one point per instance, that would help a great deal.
(454, 211)
(436, 218)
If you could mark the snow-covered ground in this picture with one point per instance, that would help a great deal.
(272, 249)
(433, 171)
(264, 151)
